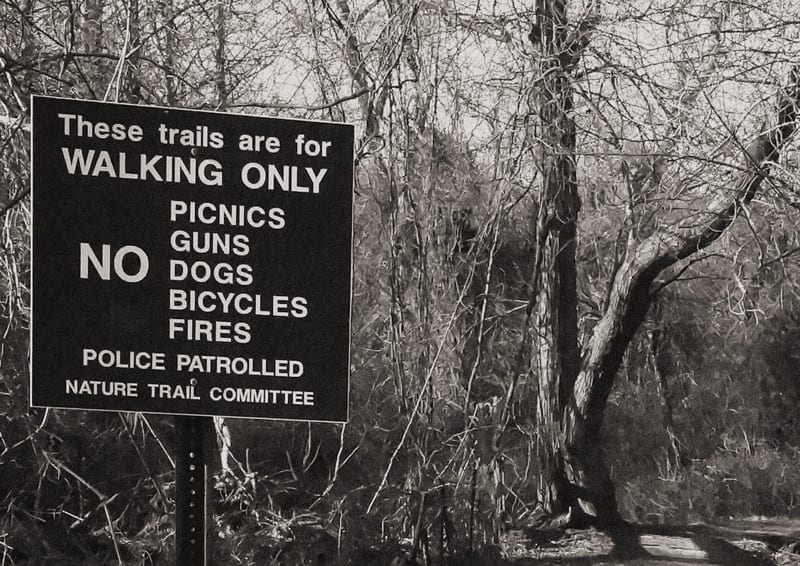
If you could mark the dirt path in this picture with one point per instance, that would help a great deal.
(775, 543)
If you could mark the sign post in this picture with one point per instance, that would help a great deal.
(190, 263)
(192, 487)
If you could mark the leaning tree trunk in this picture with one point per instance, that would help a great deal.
(630, 297)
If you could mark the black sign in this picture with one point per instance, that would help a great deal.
(190, 262)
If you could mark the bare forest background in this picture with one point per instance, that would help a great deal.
(576, 288)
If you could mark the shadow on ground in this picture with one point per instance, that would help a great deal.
(645, 545)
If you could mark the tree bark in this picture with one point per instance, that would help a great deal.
(167, 12)
(220, 56)
(554, 332)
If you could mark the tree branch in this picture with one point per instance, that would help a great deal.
(630, 295)
(312, 108)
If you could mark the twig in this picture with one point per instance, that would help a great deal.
(30, 436)
(144, 462)
(14, 201)
(279, 106)
(337, 466)
(158, 440)
(119, 71)
(17, 123)
(80, 520)
(484, 307)
(417, 404)
(104, 501)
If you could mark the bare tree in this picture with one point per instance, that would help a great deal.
(574, 384)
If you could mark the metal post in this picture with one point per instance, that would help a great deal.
(192, 482)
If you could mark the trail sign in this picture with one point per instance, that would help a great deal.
(188, 262)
